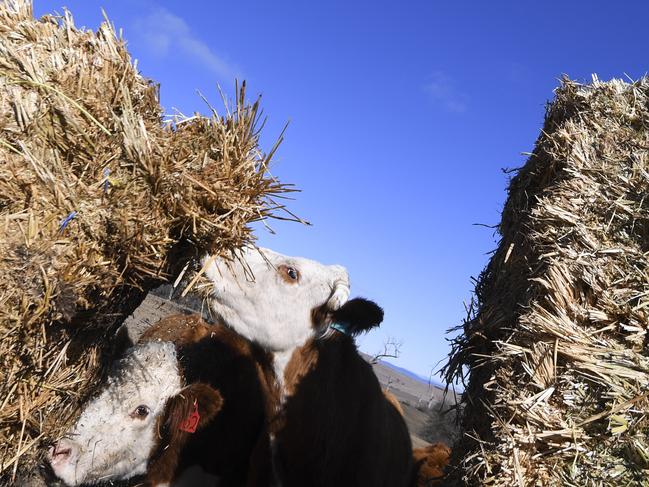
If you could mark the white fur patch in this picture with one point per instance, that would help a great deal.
(280, 361)
(108, 441)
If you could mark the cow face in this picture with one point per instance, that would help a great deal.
(116, 431)
(272, 298)
(120, 429)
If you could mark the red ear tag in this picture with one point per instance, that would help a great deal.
(191, 422)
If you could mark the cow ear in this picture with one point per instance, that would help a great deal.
(358, 315)
(189, 410)
(192, 408)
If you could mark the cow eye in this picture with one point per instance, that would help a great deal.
(288, 273)
(140, 412)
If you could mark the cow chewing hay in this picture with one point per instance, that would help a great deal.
(331, 424)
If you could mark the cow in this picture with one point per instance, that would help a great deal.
(430, 462)
(189, 393)
(330, 424)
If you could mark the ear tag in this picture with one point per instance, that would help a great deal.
(341, 327)
(191, 422)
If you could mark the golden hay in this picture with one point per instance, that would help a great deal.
(557, 351)
(99, 201)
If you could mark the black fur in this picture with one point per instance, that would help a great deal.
(359, 315)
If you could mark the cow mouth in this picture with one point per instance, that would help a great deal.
(47, 472)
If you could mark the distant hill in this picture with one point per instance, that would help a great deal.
(413, 375)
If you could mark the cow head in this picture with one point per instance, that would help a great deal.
(137, 413)
(276, 300)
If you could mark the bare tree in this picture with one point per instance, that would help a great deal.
(391, 349)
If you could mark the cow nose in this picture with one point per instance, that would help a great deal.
(61, 452)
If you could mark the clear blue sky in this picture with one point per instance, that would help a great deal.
(402, 116)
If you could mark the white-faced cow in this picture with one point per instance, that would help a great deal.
(187, 394)
(332, 425)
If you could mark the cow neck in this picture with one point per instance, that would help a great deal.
(280, 362)
(290, 366)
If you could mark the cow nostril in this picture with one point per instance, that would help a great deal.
(65, 452)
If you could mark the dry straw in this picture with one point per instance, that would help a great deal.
(99, 201)
(555, 356)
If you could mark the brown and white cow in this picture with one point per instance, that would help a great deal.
(187, 394)
(332, 424)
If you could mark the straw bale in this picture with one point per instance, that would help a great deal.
(554, 354)
(100, 200)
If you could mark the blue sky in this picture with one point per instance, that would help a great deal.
(402, 115)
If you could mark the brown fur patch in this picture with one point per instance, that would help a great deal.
(179, 329)
(269, 384)
(393, 400)
(430, 463)
(320, 316)
(303, 361)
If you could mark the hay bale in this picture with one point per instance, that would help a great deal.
(556, 352)
(99, 202)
